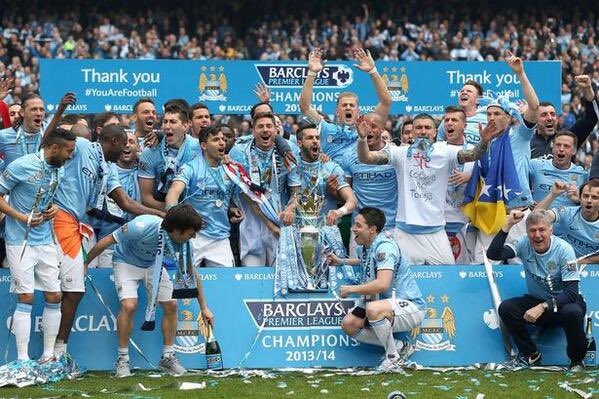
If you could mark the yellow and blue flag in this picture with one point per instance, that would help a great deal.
(493, 183)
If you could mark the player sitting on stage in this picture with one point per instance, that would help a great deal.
(390, 298)
(553, 297)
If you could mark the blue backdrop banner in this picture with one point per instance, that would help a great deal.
(227, 87)
(256, 330)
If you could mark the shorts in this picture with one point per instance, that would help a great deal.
(71, 235)
(39, 269)
(428, 248)
(127, 278)
(215, 253)
(105, 259)
(406, 314)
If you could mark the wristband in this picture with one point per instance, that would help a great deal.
(344, 211)
(373, 70)
(310, 73)
(167, 207)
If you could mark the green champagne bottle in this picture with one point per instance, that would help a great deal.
(591, 356)
(214, 357)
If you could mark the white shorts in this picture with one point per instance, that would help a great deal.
(39, 269)
(127, 278)
(460, 247)
(429, 249)
(104, 260)
(406, 314)
(72, 272)
(215, 253)
(267, 256)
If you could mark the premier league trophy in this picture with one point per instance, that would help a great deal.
(309, 206)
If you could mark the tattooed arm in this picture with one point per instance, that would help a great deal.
(486, 135)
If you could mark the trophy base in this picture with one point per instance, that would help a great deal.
(185, 293)
(309, 289)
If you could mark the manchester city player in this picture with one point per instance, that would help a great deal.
(208, 189)
(112, 217)
(315, 175)
(374, 185)
(337, 138)
(578, 225)
(136, 251)
(390, 298)
(422, 171)
(468, 98)
(30, 183)
(88, 179)
(553, 297)
(544, 172)
(158, 165)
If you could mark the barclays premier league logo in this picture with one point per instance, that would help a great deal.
(189, 337)
(298, 314)
(290, 75)
(437, 330)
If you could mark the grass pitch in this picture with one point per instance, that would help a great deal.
(326, 384)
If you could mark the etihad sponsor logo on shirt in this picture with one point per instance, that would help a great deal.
(298, 314)
(373, 175)
(436, 331)
(333, 76)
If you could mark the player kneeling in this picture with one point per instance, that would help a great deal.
(391, 300)
(140, 244)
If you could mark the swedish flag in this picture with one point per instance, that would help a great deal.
(493, 183)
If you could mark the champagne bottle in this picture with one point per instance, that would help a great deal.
(591, 355)
(214, 357)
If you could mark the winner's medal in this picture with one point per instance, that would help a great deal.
(184, 283)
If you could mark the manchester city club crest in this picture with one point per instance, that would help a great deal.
(436, 333)
(213, 84)
(190, 327)
(396, 81)
(552, 266)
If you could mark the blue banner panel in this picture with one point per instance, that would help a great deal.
(256, 330)
(227, 87)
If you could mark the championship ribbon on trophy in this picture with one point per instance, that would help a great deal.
(184, 284)
(309, 206)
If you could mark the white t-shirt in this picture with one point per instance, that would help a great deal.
(422, 185)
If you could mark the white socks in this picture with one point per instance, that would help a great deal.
(60, 347)
(167, 350)
(367, 336)
(50, 325)
(21, 328)
(384, 332)
(124, 352)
